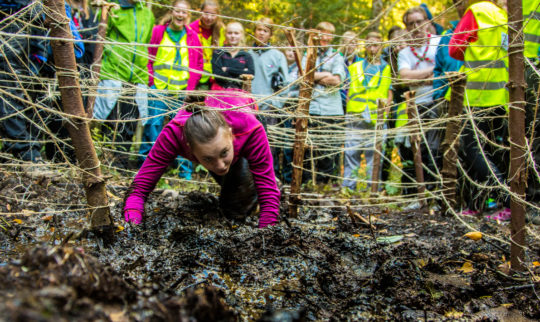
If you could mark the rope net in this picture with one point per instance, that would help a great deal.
(31, 99)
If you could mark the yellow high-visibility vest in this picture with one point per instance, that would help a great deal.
(207, 52)
(531, 27)
(364, 94)
(486, 60)
(171, 66)
(401, 115)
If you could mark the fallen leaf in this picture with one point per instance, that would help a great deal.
(507, 305)
(389, 239)
(466, 268)
(27, 212)
(47, 218)
(453, 314)
(8, 207)
(505, 267)
(18, 221)
(52, 229)
(536, 264)
(474, 235)
(421, 262)
(119, 228)
(356, 235)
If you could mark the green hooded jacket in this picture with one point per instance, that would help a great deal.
(131, 24)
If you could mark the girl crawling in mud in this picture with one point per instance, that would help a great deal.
(231, 144)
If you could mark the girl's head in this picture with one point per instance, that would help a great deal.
(178, 16)
(289, 55)
(374, 44)
(234, 34)
(349, 43)
(264, 30)
(211, 141)
(209, 10)
(397, 38)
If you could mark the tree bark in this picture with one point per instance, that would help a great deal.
(381, 106)
(68, 79)
(302, 115)
(450, 145)
(412, 113)
(518, 151)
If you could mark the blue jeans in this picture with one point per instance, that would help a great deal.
(158, 106)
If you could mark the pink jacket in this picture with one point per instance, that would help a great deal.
(194, 54)
(250, 142)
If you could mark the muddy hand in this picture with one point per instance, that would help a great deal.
(133, 216)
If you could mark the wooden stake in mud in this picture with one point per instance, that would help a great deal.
(450, 145)
(302, 114)
(381, 106)
(98, 53)
(412, 113)
(516, 123)
(79, 131)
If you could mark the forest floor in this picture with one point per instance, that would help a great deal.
(187, 261)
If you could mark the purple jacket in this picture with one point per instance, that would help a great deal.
(194, 55)
(249, 141)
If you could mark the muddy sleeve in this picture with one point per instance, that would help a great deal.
(163, 152)
(260, 162)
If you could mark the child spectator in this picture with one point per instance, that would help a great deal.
(211, 33)
(326, 106)
(124, 74)
(231, 61)
(370, 81)
(173, 69)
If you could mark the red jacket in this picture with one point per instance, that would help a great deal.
(194, 55)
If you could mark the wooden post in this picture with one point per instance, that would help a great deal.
(291, 38)
(98, 54)
(450, 145)
(413, 124)
(247, 79)
(79, 131)
(518, 151)
(302, 114)
(381, 106)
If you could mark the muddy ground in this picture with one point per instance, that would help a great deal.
(186, 262)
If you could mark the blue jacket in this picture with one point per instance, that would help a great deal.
(444, 63)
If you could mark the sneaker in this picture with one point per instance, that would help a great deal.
(413, 206)
(468, 212)
(501, 215)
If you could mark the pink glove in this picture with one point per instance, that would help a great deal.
(133, 216)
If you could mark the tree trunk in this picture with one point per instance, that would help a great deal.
(72, 104)
(412, 113)
(381, 106)
(302, 115)
(518, 151)
(450, 145)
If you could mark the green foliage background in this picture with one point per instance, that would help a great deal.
(344, 14)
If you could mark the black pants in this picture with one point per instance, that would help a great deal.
(17, 125)
(492, 124)
(120, 134)
(323, 149)
(238, 197)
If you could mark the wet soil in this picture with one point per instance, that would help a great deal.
(187, 262)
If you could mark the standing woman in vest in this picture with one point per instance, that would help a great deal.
(231, 144)
(481, 41)
(210, 31)
(231, 61)
(370, 81)
(174, 67)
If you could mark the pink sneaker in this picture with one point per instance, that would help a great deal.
(501, 215)
(468, 212)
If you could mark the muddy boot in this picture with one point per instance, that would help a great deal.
(238, 198)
